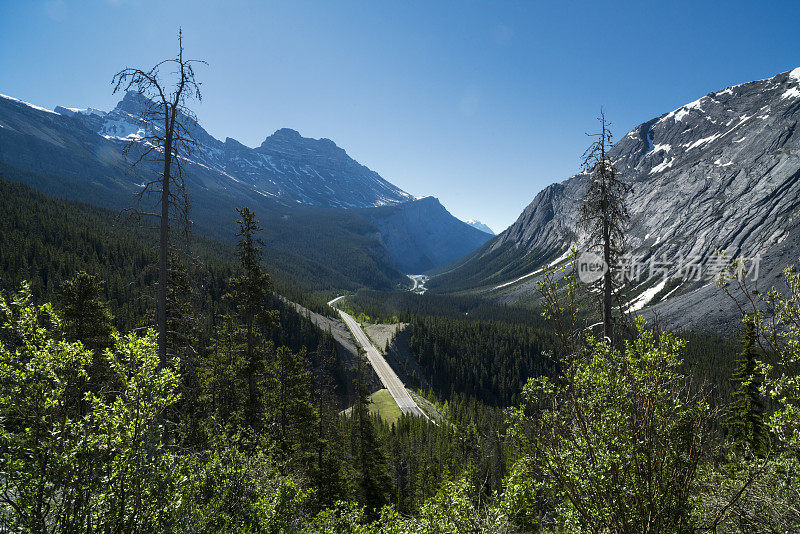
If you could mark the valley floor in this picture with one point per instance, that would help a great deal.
(388, 377)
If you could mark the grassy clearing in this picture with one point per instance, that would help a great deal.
(383, 404)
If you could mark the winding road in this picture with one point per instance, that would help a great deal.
(388, 377)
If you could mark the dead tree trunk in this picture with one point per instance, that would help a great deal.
(165, 145)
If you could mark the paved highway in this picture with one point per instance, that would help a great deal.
(385, 372)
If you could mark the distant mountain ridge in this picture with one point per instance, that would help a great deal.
(722, 172)
(286, 166)
(314, 201)
(422, 234)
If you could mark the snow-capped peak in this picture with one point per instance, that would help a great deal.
(480, 226)
(87, 111)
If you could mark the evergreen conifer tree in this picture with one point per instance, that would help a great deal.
(222, 376)
(604, 214)
(250, 292)
(290, 407)
(85, 316)
(747, 420)
(327, 474)
(373, 479)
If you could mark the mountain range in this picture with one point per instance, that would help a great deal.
(721, 173)
(335, 222)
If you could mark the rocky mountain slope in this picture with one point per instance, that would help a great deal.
(286, 166)
(312, 198)
(720, 173)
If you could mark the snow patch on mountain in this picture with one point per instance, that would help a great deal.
(793, 92)
(87, 111)
(642, 300)
(682, 112)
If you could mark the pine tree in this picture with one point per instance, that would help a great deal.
(85, 316)
(747, 421)
(222, 377)
(290, 407)
(184, 334)
(603, 214)
(250, 294)
(327, 474)
(373, 480)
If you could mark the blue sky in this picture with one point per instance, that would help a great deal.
(481, 104)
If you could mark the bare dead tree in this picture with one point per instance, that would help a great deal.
(604, 214)
(166, 141)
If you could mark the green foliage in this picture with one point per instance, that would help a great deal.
(450, 511)
(759, 493)
(467, 444)
(63, 467)
(747, 420)
(248, 293)
(85, 316)
(41, 439)
(614, 444)
(487, 360)
(222, 378)
(748, 494)
(372, 478)
(292, 416)
(232, 492)
(401, 306)
(139, 487)
(782, 382)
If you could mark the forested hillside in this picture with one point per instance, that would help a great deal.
(52, 238)
(487, 350)
(299, 378)
(384, 306)
(342, 256)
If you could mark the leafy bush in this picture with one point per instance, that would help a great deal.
(69, 457)
(612, 445)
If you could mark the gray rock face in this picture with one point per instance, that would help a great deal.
(314, 171)
(722, 172)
